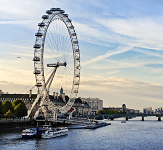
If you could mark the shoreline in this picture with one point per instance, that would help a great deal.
(9, 126)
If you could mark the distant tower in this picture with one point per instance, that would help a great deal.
(61, 91)
(123, 108)
(30, 93)
(54, 95)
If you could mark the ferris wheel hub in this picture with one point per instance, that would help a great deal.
(57, 64)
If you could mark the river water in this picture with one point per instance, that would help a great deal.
(132, 135)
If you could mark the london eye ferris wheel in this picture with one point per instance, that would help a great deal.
(56, 60)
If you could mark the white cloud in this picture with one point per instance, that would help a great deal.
(140, 32)
(123, 90)
(147, 52)
(119, 50)
(108, 73)
(87, 31)
(19, 9)
(22, 22)
(110, 64)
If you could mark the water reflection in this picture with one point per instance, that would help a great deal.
(134, 134)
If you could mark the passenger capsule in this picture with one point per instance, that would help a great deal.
(71, 27)
(75, 42)
(36, 59)
(52, 9)
(38, 34)
(42, 24)
(73, 34)
(57, 9)
(76, 50)
(78, 67)
(49, 12)
(66, 15)
(62, 11)
(37, 46)
(37, 72)
(68, 20)
(45, 17)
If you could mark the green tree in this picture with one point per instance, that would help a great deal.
(20, 110)
(16, 102)
(7, 105)
(1, 108)
(108, 111)
(100, 112)
(9, 114)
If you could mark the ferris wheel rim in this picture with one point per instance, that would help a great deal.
(39, 48)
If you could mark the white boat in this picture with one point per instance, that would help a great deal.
(51, 133)
(29, 133)
(43, 128)
(123, 121)
(96, 124)
(91, 125)
(32, 132)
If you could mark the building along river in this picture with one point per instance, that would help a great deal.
(134, 134)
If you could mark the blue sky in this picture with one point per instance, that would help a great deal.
(120, 44)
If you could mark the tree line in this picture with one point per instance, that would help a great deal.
(109, 111)
(17, 108)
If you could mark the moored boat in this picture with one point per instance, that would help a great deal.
(44, 128)
(32, 132)
(51, 133)
(91, 125)
(123, 121)
(29, 133)
(96, 124)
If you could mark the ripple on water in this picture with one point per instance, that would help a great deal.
(132, 135)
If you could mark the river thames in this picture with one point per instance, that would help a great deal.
(132, 135)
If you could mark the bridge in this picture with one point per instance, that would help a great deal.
(129, 116)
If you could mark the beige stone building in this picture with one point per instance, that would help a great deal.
(82, 109)
(94, 103)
